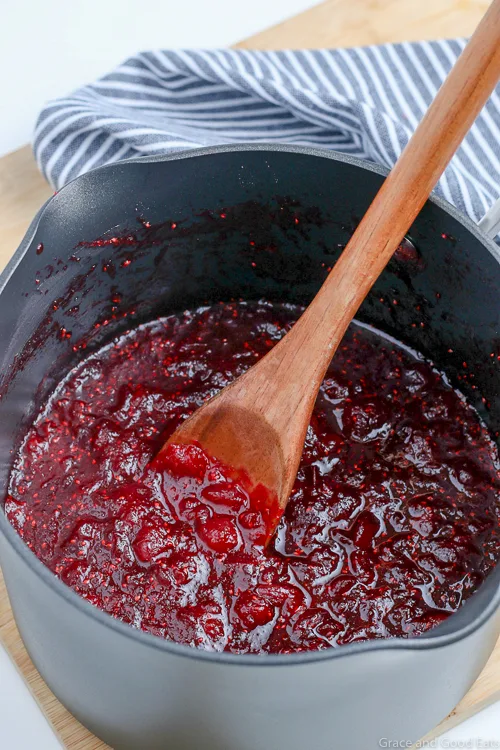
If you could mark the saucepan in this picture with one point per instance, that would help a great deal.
(171, 232)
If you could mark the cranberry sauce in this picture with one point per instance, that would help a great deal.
(393, 521)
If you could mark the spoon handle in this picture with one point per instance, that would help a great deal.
(321, 328)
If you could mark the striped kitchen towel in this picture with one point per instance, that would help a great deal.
(364, 101)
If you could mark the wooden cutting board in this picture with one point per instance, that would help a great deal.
(334, 23)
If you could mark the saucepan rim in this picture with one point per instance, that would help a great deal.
(419, 643)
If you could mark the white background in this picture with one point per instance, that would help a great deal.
(50, 47)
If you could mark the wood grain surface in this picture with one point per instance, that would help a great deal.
(334, 23)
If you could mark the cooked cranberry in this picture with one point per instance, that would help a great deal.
(253, 610)
(219, 533)
(184, 461)
(229, 494)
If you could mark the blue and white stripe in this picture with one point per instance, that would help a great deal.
(364, 101)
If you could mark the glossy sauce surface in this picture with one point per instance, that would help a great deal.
(392, 524)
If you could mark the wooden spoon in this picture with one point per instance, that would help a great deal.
(259, 422)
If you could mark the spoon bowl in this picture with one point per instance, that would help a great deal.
(238, 437)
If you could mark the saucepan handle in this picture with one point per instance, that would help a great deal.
(490, 223)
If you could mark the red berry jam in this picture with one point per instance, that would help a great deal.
(393, 521)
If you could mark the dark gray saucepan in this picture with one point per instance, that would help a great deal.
(132, 689)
